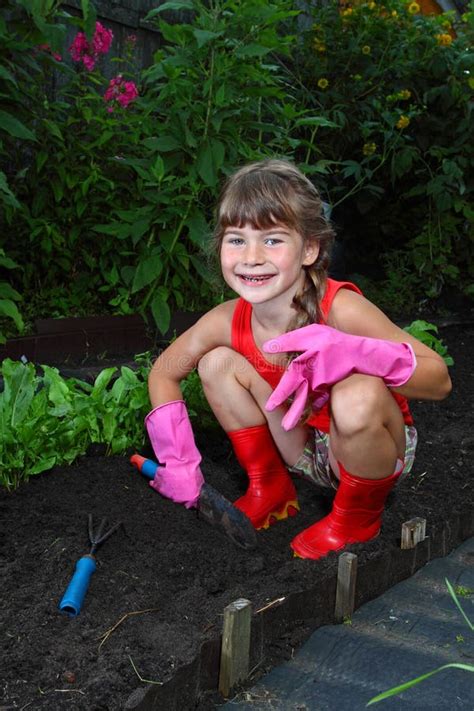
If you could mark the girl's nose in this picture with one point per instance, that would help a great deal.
(253, 254)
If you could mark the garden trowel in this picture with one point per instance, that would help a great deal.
(212, 507)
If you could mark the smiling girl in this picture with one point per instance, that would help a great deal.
(304, 374)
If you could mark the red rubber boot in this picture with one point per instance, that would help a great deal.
(271, 495)
(356, 516)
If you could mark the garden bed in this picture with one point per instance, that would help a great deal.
(166, 576)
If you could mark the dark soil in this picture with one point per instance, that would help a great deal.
(164, 578)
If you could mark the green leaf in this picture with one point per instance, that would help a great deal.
(8, 292)
(209, 160)
(407, 685)
(205, 36)
(53, 128)
(147, 271)
(160, 310)
(19, 389)
(102, 380)
(90, 16)
(458, 605)
(162, 143)
(10, 309)
(171, 5)
(252, 50)
(5, 74)
(8, 196)
(316, 121)
(14, 127)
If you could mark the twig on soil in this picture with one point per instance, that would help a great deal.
(270, 604)
(104, 637)
(146, 681)
(70, 691)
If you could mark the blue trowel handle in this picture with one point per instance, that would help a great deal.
(146, 466)
(73, 598)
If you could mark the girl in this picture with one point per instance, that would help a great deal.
(326, 400)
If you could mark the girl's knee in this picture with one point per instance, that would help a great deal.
(358, 403)
(218, 362)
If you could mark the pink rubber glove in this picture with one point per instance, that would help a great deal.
(328, 357)
(179, 478)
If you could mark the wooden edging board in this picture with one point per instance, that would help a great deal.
(312, 608)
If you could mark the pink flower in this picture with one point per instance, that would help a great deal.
(82, 51)
(47, 48)
(102, 39)
(121, 92)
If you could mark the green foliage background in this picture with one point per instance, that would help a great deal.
(112, 211)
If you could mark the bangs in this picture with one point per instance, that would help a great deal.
(261, 200)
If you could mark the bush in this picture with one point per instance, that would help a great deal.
(108, 188)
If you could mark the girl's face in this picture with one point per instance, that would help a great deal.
(262, 265)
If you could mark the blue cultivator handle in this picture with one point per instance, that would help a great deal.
(73, 598)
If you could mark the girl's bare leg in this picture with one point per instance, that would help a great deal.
(367, 429)
(237, 395)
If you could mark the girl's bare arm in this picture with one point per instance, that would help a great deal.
(354, 314)
(183, 355)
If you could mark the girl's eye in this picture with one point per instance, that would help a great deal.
(236, 241)
(272, 241)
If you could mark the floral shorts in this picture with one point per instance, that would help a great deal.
(314, 466)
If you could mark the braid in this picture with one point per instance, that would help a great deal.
(307, 302)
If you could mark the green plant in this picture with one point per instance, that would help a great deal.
(8, 298)
(453, 665)
(395, 170)
(426, 333)
(46, 419)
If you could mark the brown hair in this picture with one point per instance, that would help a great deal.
(275, 192)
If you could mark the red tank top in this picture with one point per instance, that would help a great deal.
(243, 342)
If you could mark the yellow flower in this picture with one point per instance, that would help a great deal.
(348, 11)
(369, 149)
(323, 83)
(394, 13)
(447, 25)
(319, 46)
(444, 39)
(403, 122)
(404, 94)
(357, 77)
(371, 5)
(366, 49)
(413, 8)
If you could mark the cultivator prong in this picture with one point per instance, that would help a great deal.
(96, 539)
(73, 598)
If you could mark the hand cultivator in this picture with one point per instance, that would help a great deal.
(71, 602)
(214, 508)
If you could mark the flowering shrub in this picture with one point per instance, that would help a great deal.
(88, 52)
(111, 185)
(395, 169)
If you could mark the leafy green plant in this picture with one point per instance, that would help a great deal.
(395, 171)
(426, 333)
(8, 298)
(47, 420)
(453, 665)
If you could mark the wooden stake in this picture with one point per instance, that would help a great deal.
(413, 532)
(235, 647)
(346, 583)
